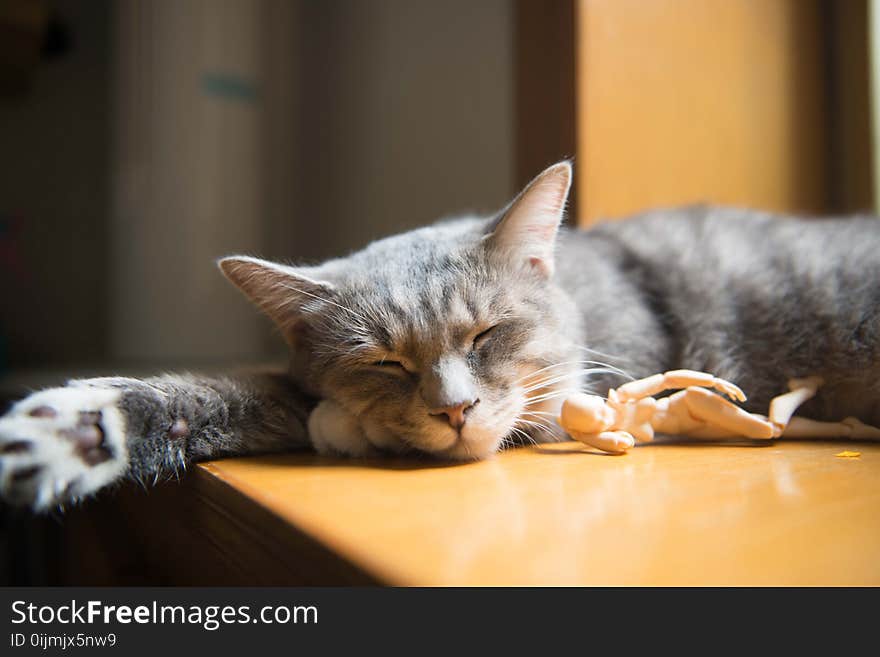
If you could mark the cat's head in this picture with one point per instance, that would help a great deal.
(433, 338)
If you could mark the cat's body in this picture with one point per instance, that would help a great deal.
(456, 338)
(751, 297)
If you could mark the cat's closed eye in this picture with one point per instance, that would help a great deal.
(481, 337)
(391, 365)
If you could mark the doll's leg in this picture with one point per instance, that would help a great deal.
(784, 406)
(801, 427)
(718, 413)
(615, 442)
(861, 430)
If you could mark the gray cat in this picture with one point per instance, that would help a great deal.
(460, 338)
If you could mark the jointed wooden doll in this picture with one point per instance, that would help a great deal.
(632, 414)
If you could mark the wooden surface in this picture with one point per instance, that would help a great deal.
(666, 514)
(682, 101)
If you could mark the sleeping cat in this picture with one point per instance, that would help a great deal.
(457, 339)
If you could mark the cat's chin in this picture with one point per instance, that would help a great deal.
(471, 446)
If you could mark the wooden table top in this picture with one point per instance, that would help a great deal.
(790, 513)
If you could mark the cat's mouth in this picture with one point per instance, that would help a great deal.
(490, 432)
(483, 434)
(475, 441)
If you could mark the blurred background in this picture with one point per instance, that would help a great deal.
(142, 139)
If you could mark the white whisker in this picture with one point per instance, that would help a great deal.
(553, 431)
(332, 303)
(612, 368)
(543, 383)
(552, 395)
(604, 355)
(545, 413)
(562, 377)
(523, 434)
(547, 397)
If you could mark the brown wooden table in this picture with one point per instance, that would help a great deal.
(666, 514)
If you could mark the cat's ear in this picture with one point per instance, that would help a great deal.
(278, 290)
(526, 230)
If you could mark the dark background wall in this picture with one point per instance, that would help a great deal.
(376, 117)
(54, 199)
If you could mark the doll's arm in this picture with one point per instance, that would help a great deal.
(584, 418)
(674, 380)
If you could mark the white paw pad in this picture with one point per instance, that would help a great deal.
(61, 444)
(333, 430)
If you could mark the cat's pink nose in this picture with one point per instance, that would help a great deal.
(455, 415)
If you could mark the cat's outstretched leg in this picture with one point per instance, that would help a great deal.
(62, 444)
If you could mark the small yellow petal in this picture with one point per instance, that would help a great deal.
(848, 455)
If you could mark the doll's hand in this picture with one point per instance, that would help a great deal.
(614, 442)
(729, 389)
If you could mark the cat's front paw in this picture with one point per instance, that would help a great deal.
(61, 444)
(333, 430)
